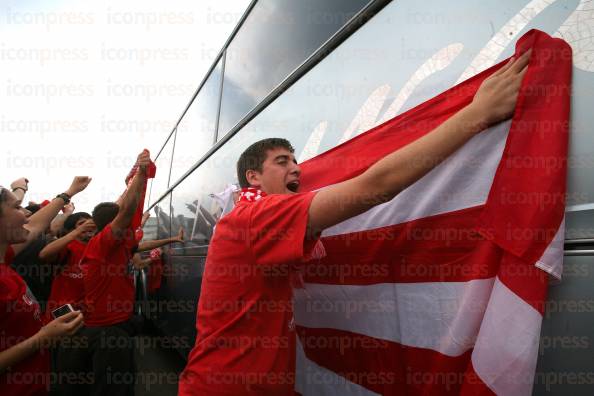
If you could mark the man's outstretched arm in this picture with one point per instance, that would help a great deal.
(494, 101)
(150, 245)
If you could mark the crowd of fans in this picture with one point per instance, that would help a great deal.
(85, 321)
(67, 291)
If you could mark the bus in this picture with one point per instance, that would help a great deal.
(318, 73)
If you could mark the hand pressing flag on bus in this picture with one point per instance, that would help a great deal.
(441, 291)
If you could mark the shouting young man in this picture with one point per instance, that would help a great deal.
(246, 338)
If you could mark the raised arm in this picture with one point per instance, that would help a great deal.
(51, 250)
(58, 222)
(494, 101)
(150, 245)
(145, 217)
(19, 188)
(131, 198)
(41, 220)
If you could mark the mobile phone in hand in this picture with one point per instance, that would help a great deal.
(61, 311)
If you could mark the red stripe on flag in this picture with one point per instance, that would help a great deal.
(441, 248)
(385, 367)
(526, 203)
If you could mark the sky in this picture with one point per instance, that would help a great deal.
(86, 85)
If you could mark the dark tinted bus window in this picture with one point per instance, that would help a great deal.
(196, 130)
(162, 223)
(163, 162)
(275, 39)
(194, 210)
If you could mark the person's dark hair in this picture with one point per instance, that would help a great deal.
(104, 213)
(70, 223)
(3, 195)
(255, 155)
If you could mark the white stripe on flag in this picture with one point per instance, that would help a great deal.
(506, 350)
(314, 380)
(442, 316)
(462, 181)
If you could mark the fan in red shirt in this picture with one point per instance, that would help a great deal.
(153, 265)
(154, 261)
(109, 289)
(246, 338)
(20, 316)
(105, 351)
(24, 360)
(67, 251)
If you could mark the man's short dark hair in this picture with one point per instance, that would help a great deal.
(104, 213)
(255, 155)
(70, 222)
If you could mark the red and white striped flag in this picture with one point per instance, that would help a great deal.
(441, 291)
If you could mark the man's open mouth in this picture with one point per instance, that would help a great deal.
(293, 186)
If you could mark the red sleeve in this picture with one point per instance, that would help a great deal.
(277, 227)
(101, 245)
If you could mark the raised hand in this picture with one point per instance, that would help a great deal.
(88, 227)
(68, 209)
(180, 236)
(496, 97)
(78, 184)
(20, 183)
(143, 160)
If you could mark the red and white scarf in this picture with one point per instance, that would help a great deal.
(251, 194)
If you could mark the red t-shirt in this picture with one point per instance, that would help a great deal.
(109, 288)
(246, 337)
(68, 286)
(20, 318)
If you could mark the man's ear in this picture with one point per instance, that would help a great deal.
(253, 177)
